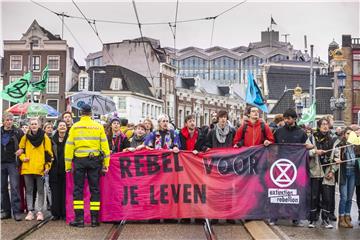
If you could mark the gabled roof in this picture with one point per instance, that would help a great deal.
(291, 77)
(36, 25)
(323, 96)
(131, 81)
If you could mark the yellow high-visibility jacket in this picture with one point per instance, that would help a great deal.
(36, 165)
(85, 137)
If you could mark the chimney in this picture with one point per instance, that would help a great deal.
(305, 42)
(346, 40)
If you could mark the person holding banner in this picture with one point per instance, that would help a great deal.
(138, 139)
(222, 135)
(291, 133)
(164, 138)
(322, 179)
(116, 139)
(88, 149)
(192, 139)
(254, 131)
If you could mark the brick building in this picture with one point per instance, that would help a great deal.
(48, 49)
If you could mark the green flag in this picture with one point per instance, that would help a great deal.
(309, 115)
(40, 85)
(17, 90)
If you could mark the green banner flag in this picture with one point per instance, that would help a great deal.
(309, 115)
(40, 85)
(16, 91)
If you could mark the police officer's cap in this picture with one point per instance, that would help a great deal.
(86, 108)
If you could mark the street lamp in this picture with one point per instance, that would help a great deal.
(338, 101)
(93, 77)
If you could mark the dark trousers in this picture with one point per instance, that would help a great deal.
(58, 193)
(10, 171)
(315, 185)
(332, 199)
(91, 168)
(326, 194)
(358, 198)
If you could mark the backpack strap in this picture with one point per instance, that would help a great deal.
(263, 130)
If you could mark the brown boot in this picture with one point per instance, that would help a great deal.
(348, 221)
(342, 223)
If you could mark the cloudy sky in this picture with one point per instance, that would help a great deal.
(321, 21)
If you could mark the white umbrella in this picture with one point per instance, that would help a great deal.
(100, 104)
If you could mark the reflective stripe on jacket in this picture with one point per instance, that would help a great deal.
(86, 137)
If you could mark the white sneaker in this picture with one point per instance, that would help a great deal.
(39, 216)
(327, 225)
(29, 216)
(311, 224)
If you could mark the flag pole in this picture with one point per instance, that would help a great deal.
(31, 68)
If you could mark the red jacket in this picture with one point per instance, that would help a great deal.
(254, 134)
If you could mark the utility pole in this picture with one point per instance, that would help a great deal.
(312, 87)
(31, 68)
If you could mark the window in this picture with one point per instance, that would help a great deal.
(16, 62)
(14, 78)
(116, 84)
(36, 63)
(83, 83)
(152, 111)
(143, 110)
(53, 103)
(54, 62)
(53, 84)
(356, 67)
(122, 103)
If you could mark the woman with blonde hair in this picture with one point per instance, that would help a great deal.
(36, 160)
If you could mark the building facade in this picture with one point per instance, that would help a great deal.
(351, 52)
(47, 49)
(202, 98)
(228, 66)
(155, 66)
(130, 91)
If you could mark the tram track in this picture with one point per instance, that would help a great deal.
(34, 228)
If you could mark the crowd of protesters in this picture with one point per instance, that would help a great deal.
(33, 162)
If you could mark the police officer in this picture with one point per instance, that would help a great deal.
(88, 149)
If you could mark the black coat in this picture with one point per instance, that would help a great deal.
(200, 141)
(289, 134)
(8, 151)
(212, 142)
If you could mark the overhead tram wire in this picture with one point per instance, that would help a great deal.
(218, 15)
(66, 26)
(144, 23)
(143, 43)
(95, 31)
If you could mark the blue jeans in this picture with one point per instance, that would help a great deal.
(346, 192)
(9, 170)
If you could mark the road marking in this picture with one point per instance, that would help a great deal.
(283, 235)
(260, 230)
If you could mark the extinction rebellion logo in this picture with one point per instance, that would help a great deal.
(283, 173)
